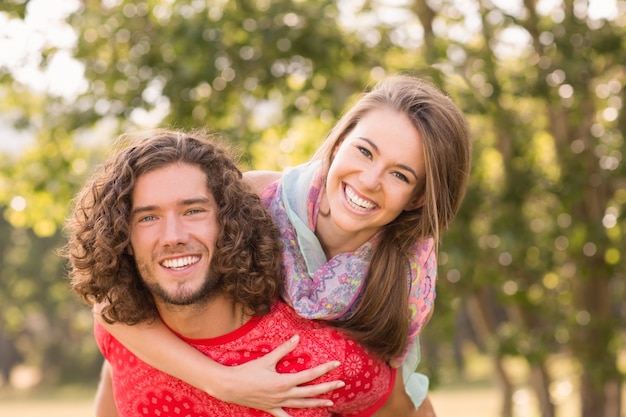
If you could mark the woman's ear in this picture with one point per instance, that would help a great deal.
(415, 203)
(335, 149)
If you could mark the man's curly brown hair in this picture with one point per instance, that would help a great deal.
(247, 256)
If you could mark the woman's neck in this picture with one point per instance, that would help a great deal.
(335, 240)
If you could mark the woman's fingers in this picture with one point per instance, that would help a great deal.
(270, 390)
(302, 377)
(282, 350)
(301, 397)
(309, 375)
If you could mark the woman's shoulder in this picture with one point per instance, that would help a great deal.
(425, 251)
(259, 179)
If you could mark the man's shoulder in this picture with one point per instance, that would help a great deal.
(368, 379)
(318, 340)
(103, 338)
(281, 310)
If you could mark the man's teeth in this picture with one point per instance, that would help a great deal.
(357, 201)
(180, 262)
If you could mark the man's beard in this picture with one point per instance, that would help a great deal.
(183, 297)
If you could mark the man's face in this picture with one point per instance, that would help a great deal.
(173, 232)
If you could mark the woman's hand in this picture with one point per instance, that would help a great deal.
(256, 384)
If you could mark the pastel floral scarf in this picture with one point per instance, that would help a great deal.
(318, 288)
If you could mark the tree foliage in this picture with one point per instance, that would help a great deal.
(532, 266)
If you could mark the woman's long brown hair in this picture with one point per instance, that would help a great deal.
(379, 319)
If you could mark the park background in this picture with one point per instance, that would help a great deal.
(529, 318)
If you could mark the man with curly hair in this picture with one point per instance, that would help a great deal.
(167, 228)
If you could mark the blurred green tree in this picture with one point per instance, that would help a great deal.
(533, 265)
(536, 254)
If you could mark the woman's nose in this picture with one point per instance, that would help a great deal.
(371, 178)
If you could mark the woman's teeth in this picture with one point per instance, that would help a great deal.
(356, 201)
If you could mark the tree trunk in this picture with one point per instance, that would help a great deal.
(599, 386)
(612, 391)
(540, 381)
(484, 323)
(599, 400)
(506, 387)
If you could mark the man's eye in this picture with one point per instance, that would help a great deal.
(194, 211)
(146, 219)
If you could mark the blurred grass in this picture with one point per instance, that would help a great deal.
(68, 401)
(471, 393)
(466, 400)
(78, 402)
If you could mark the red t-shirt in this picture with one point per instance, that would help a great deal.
(141, 390)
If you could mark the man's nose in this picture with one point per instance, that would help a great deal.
(174, 231)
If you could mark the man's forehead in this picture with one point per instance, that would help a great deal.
(173, 183)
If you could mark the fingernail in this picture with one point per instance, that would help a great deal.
(341, 384)
(336, 364)
(295, 338)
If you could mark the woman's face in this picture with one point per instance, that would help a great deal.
(377, 172)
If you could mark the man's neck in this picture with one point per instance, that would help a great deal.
(216, 317)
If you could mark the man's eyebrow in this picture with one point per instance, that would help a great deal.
(184, 202)
(405, 167)
(195, 200)
(142, 209)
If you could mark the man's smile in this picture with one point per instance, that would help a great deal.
(180, 263)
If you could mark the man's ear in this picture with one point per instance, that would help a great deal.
(415, 203)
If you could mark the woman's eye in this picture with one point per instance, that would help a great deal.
(364, 151)
(401, 176)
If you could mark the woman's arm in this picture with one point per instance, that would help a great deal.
(400, 405)
(105, 401)
(258, 180)
(255, 384)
